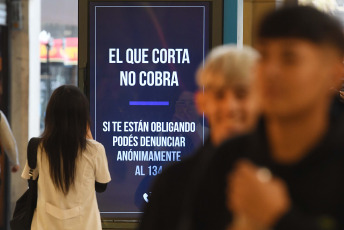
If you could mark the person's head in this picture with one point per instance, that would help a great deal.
(66, 123)
(228, 100)
(302, 53)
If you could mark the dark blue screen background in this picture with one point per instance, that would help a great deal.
(163, 26)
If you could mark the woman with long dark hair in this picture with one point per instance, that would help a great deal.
(70, 166)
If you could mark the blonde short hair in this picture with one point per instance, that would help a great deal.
(226, 66)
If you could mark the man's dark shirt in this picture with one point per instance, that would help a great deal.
(171, 192)
(315, 184)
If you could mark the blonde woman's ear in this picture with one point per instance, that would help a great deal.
(199, 102)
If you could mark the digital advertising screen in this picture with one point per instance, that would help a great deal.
(142, 62)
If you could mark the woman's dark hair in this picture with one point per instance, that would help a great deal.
(303, 22)
(64, 137)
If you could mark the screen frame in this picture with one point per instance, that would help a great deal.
(216, 38)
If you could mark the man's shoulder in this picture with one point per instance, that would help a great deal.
(176, 176)
(179, 169)
(238, 141)
(236, 147)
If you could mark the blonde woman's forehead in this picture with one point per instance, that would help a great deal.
(224, 88)
(220, 79)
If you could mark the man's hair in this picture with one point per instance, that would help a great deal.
(303, 22)
(226, 66)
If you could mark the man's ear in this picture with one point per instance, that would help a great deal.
(338, 74)
(200, 102)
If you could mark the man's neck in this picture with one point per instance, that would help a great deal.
(291, 139)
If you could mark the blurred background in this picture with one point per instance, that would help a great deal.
(39, 52)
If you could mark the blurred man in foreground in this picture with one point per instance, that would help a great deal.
(230, 105)
(289, 173)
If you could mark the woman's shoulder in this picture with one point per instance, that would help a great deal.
(94, 146)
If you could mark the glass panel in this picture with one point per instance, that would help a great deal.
(330, 6)
(59, 48)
